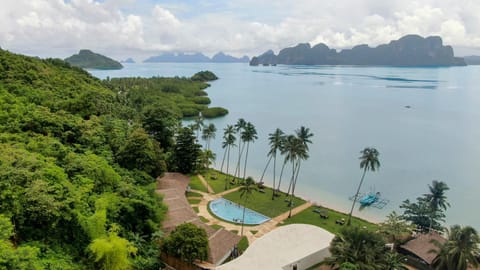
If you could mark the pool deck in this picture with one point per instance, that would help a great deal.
(261, 229)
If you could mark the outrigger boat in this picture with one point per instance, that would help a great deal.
(369, 199)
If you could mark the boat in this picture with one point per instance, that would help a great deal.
(369, 199)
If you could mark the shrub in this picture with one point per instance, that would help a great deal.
(214, 112)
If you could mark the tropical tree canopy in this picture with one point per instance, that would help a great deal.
(395, 228)
(428, 211)
(187, 242)
(187, 152)
(357, 246)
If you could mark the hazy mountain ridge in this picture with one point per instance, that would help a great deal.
(472, 60)
(195, 58)
(128, 61)
(410, 50)
(88, 59)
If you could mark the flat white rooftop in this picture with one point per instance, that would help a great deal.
(297, 244)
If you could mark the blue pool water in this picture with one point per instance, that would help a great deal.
(233, 212)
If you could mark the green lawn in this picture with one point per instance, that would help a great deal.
(193, 200)
(216, 226)
(263, 203)
(195, 183)
(307, 216)
(216, 180)
(204, 219)
(192, 194)
(243, 244)
(195, 209)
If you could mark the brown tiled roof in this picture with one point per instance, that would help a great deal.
(172, 186)
(421, 246)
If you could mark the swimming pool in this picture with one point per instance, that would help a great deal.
(233, 212)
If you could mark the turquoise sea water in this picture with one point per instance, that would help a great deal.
(423, 121)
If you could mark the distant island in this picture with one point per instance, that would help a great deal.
(195, 58)
(410, 50)
(88, 59)
(472, 60)
(128, 61)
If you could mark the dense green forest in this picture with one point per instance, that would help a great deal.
(78, 162)
(89, 59)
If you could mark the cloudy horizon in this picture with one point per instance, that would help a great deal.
(143, 28)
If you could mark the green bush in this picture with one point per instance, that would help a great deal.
(204, 76)
(170, 89)
(202, 100)
(214, 112)
(201, 93)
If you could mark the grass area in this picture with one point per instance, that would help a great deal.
(243, 244)
(216, 180)
(194, 194)
(307, 216)
(216, 226)
(254, 232)
(263, 203)
(203, 219)
(195, 209)
(193, 200)
(234, 231)
(195, 183)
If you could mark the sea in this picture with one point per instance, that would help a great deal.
(425, 122)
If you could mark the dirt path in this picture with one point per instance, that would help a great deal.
(205, 183)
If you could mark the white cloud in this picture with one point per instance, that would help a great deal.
(137, 27)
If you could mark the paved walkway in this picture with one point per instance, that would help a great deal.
(251, 232)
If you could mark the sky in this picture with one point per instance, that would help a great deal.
(143, 28)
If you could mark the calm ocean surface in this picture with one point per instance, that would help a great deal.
(348, 109)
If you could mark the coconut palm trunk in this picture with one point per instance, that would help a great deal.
(274, 167)
(281, 174)
(356, 197)
(240, 154)
(228, 165)
(245, 164)
(265, 169)
(223, 160)
(243, 215)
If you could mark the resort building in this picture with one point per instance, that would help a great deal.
(296, 246)
(418, 249)
(172, 186)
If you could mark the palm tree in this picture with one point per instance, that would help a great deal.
(209, 134)
(303, 139)
(198, 124)
(227, 133)
(296, 152)
(249, 134)
(245, 191)
(229, 141)
(394, 261)
(395, 228)
(304, 135)
(276, 141)
(239, 127)
(436, 199)
(368, 162)
(460, 250)
(208, 158)
(360, 247)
